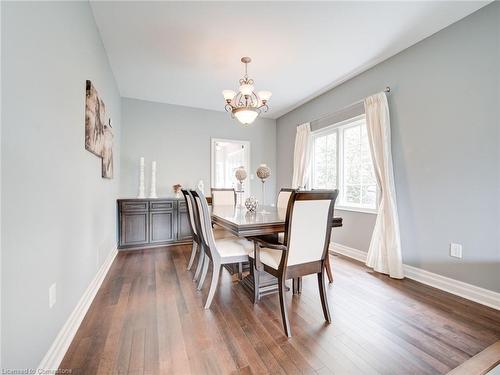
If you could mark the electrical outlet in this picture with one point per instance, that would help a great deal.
(52, 295)
(456, 250)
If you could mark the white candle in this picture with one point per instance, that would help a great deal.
(141, 178)
(152, 193)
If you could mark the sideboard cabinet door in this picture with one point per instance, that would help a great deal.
(183, 225)
(152, 222)
(162, 226)
(134, 228)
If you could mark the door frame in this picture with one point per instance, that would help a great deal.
(248, 154)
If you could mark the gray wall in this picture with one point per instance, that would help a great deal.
(178, 138)
(445, 140)
(58, 214)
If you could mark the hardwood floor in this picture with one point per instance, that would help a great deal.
(148, 318)
(481, 363)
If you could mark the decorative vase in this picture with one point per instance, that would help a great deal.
(240, 175)
(263, 172)
(251, 204)
(201, 186)
(141, 193)
(152, 192)
(177, 190)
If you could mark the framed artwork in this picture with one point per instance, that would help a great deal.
(98, 130)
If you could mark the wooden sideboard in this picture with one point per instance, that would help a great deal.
(152, 222)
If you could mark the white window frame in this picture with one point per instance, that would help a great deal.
(339, 128)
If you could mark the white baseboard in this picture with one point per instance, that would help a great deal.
(459, 288)
(471, 292)
(56, 353)
(348, 251)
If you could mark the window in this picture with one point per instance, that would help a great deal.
(341, 159)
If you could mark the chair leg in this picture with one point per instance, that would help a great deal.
(193, 255)
(255, 275)
(284, 313)
(206, 260)
(299, 285)
(322, 295)
(201, 256)
(240, 271)
(328, 267)
(213, 284)
(294, 286)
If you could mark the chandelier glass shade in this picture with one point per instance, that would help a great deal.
(246, 105)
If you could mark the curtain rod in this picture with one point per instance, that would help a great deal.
(386, 90)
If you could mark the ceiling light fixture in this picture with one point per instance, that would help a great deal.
(246, 105)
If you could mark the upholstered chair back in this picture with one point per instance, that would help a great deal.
(189, 204)
(205, 219)
(283, 197)
(225, 197)
(308, 225)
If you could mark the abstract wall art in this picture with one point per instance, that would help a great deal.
(98, 130)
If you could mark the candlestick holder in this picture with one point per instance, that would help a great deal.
(240, 175)
(263, 172)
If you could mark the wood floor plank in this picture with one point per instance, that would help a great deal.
(171, 344)
(481, 363)
(148, 318)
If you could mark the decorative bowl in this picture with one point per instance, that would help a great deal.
(251, 204)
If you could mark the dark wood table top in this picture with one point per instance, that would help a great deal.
(243, 223)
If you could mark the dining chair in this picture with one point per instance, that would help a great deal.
(191, 218)
(197, 237)
(308, 228)
(283, 198)
(223, 196)
(218, 252)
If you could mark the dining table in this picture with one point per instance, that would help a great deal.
(266, 220)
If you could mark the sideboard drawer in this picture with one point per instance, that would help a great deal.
(161, 205)
(182, 206)
(134, 206)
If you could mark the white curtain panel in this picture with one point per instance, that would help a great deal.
(301, 156)
(384, 254)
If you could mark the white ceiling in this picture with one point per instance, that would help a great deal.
(186, 53)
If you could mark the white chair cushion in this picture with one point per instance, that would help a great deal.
(231, 247)
(269, 257)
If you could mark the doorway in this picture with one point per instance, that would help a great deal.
(227, 156)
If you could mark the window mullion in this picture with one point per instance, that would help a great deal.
(361, 167)
(312, 162)
(340, 163)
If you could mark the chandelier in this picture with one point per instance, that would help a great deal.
(246, 105)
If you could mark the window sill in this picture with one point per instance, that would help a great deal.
(357, 209)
